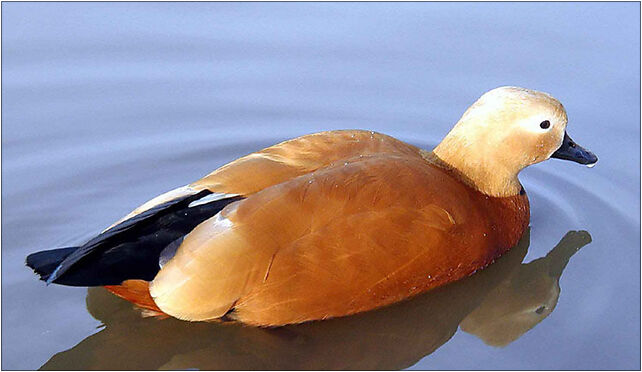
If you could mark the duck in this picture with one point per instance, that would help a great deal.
(328, 224)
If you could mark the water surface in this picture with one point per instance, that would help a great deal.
(108, 104)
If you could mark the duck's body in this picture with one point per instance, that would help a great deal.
(324, 225)
(333, 233)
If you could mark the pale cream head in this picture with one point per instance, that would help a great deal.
(503, 132)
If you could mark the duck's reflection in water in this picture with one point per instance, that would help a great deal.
(497, 304)
(524, 297)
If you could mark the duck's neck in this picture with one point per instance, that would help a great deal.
(473, 166)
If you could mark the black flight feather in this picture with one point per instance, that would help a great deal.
(129, 250)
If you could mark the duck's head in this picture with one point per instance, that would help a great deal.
(503, 132)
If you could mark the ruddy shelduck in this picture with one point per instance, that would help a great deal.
(328, 224)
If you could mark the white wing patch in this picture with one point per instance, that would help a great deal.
(211, 198)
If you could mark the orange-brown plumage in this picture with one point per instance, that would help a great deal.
(137, 292)
(362, 232)
(409, 228)
(299, 156)
(371, 225)
(335, 223)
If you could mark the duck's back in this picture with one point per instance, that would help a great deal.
(364, 232)
(286, 160)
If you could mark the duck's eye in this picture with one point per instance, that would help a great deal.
(545, 124)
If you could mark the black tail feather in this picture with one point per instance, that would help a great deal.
(45, 262)
(129, 250)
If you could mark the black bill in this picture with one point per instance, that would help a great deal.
(574, 152)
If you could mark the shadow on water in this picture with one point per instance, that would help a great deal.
(498, 305)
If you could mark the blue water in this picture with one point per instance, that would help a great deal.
(105, 105)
